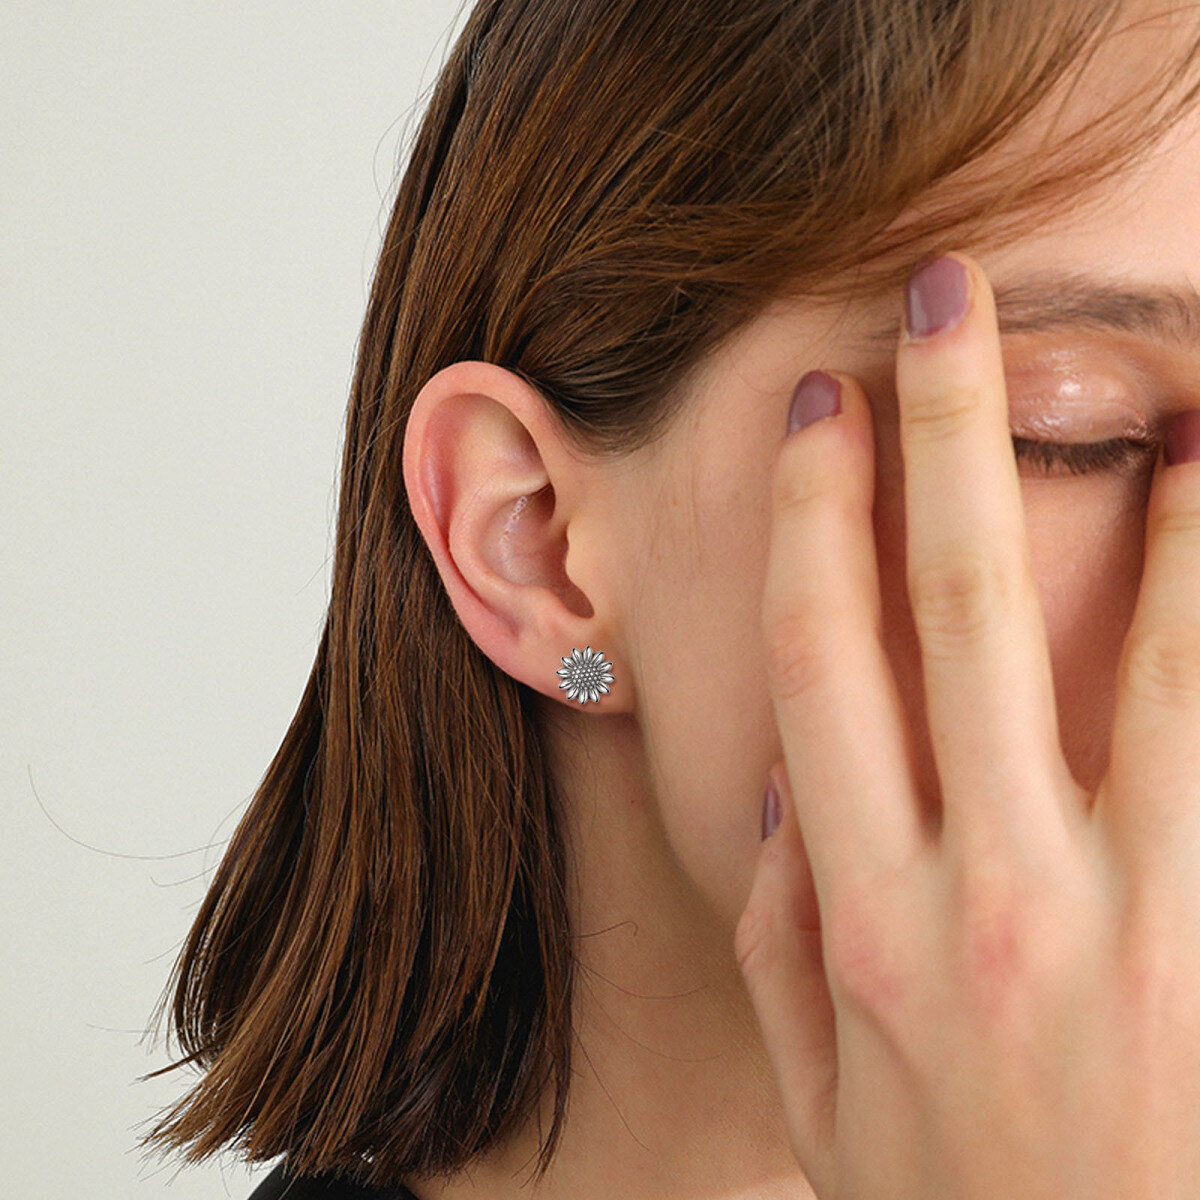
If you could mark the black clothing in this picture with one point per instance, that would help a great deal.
(281, 1186)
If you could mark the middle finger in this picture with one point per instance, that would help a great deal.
(989, 690)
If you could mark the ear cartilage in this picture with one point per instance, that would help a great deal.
(585, 675)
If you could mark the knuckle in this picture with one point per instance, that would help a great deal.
(1176, 522)
(992, 949)
(940, 410)
(800, 654)
(863, 962)
(1146, 972)
(1162, 664)
(1010, 948)
(1153, 976)
(956, 598)
(802, 481)
(753, 940)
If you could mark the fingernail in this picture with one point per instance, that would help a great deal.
(772, 814)
(817, 395)
(936, 297)
(1181, 442)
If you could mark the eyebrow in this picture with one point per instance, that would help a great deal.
(1074, 300)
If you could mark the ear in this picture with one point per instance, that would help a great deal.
(505, 504)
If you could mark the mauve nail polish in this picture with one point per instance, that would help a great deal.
(936, 297)
(1181, 442)
(772, 814)
(817, 395)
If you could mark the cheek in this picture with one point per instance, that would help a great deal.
(1087, 541)
(1087, 556)
(704, 708)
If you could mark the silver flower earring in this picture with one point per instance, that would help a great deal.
(585, 674)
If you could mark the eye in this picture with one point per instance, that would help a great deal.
(1123, 456)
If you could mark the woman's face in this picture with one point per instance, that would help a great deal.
(658, 558)
(690, 545)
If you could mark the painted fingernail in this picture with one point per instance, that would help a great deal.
(936, 297)
(1181, 442)
(772, 814)
(817, 395)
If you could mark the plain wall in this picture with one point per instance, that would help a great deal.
(193, 199)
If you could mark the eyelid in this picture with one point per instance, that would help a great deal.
(1041, 428)
(1038, 418)
(1070, 401)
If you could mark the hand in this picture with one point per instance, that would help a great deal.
(1007, 1006)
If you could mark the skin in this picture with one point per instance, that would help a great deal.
(661, 561)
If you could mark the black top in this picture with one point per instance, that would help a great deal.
(281, 1186)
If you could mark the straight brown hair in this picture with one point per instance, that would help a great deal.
(378, 982)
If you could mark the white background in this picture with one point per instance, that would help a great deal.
(193, 198)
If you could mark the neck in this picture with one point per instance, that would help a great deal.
(672, 1096)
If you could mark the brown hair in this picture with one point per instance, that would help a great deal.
(379, 980)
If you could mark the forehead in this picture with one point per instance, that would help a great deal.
(1140, 224)
(1141, 227)
(1124, 257)
(1122, 269)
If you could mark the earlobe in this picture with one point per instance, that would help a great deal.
(585, 675)
(497, 496)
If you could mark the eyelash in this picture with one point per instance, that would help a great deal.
(1124, 455)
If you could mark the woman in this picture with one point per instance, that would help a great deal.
(590, 592)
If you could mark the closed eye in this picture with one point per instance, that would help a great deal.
(1119, 455)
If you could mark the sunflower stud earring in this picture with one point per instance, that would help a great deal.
(585, 674)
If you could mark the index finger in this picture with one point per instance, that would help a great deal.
(836, 702)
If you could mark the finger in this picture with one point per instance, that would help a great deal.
(1150, 798)
(835, 698)
(779, 950)
(989, 689)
